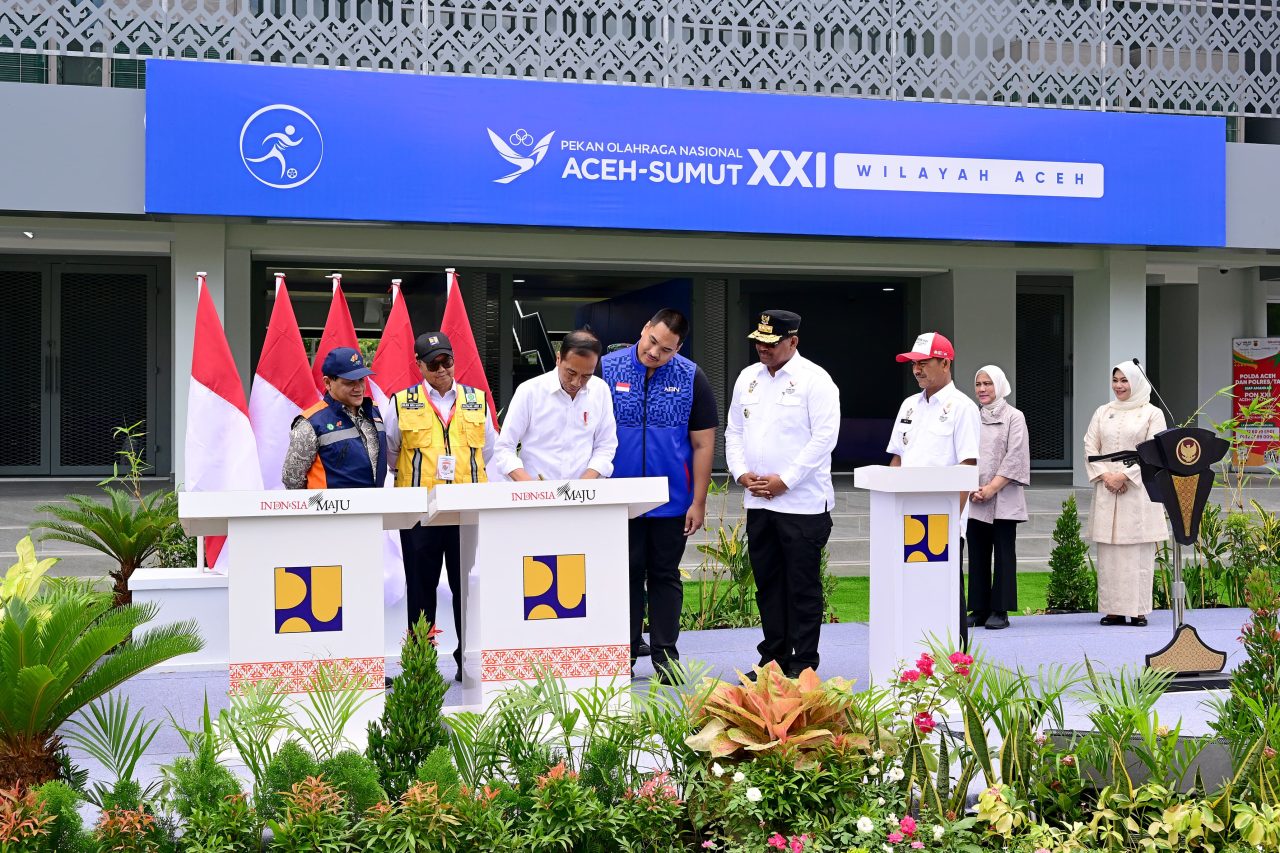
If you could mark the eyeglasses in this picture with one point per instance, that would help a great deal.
(441, 364)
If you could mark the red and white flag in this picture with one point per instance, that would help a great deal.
(339, 331)
(221, 454)
(467, 366)
(282, 387)
(395, 367)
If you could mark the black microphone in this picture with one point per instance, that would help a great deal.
(1172, 420)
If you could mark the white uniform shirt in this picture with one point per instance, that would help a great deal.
(443, 404)
(559, 436)
(943, 430)
(786, 424)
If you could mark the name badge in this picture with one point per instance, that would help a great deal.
(445, 468)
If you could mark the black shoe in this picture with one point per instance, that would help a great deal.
(794, 673)
(457, 676)
(1138, 621)
(751, 675)
(386, 682)
(643, 650)
(975, 619)
(1111, 620)
(996, 621)
(666, 675)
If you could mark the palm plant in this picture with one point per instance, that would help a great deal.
(54, 661)
(129, 527)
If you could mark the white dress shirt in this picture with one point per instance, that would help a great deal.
(943, 430)
(443, 404)
(785, 424)
(559, 437)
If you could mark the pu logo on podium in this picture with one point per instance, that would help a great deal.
(308, 599)
(555, 587)
(924, 538)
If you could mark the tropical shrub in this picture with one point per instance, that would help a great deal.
(53, 665)
(772, 713)
(62, 803)
(313, 821)
(290, 765)
(228, 826)
(24, 578)
(356, 778)
(199, 782)
(410, 725)
(129, 527)
(24, 822)
(1073, 585)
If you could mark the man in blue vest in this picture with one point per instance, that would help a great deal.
(340, 442)
(666, 415)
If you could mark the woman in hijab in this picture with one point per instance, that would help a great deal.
(1123, 522)
(1004, 468)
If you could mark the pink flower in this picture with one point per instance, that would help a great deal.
(961, 669)
(917, 845)
(908, 825)
(776, 840)
(960, 659)
(909, 676)
(925, 722)
(708, 845)
(1069, 761)
(895, 837)
(925, 664)
(1042, 850)
(797, 843)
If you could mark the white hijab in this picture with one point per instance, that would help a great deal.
(1139, 387)
(998, 379)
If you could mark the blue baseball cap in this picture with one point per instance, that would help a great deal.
(345, 363)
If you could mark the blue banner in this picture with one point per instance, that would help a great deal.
(241, 140)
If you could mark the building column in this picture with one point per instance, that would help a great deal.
(197, 247)
(984, 324)
(1109, 326)
(710, 324)
(1226, 310)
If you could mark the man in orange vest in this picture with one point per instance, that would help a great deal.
(438, 431)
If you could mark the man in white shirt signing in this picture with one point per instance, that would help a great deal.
(562, 421)
(783, 423)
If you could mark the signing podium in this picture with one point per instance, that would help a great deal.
(545, 574)
(915, 559)
(304, 583)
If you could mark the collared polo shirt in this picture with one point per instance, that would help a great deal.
(943, 430)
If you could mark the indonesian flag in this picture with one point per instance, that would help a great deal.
(395, 367)
(339, 331)
(221, 454)
(282, 387)
(467, 366)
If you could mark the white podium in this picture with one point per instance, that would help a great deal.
(915, 559)
(304, 582)
(546, 578)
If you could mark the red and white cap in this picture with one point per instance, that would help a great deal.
(929, 345)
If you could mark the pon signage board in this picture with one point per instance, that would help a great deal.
(242, 140)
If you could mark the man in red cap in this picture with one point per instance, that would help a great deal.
(939, 426)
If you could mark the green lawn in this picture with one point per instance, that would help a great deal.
(853, 596)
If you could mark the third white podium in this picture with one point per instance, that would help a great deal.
(546, 578)
(915, 559)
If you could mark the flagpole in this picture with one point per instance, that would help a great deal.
(279, 282)
(337, 280)
(395, 289)
(200, 566)
(450, 273)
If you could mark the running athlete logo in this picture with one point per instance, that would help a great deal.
(510, 151)
(281, 146)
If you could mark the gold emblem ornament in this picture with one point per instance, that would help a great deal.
(765, 324)
(1188, 451)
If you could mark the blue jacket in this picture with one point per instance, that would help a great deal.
(342, 462)
(653, 424)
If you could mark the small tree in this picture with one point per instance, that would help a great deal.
(1072, 585)
(410, 726)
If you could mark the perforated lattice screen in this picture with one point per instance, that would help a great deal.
(713, 363)
(104, 363)
(20, 330)
(1042, 376)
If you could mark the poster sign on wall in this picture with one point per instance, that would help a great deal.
(1255, 364)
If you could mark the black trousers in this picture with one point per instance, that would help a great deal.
(992, 592)
(655, 546)
(786, 554)
(424, 549)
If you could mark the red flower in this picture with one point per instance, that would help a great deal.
(925, 665)
(909, 676)
(776, 840)
(908, 825)
(925, 723)
(960, 659)
(961, 669)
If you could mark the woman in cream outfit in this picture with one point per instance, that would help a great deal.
(1124, 522)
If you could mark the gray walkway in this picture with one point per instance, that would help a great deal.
(1029, 643)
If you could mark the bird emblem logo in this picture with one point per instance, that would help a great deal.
(520, 151)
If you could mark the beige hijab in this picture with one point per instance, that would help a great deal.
(1139, 387)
